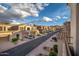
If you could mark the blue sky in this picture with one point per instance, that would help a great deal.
(52, 11)
(52, 14)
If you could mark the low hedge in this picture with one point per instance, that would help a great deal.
(14, 39)
(52, 53)
(55, 47)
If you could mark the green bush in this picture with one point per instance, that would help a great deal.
(14, 39)
(55, 47)
(55, 51)
(52, 53)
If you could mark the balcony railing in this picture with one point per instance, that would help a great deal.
(68, 52)
(66, 45)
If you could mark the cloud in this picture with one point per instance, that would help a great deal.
(28, 9)
(58, 17)
(2, 7)
(46, 19)
(40, 6)
(20, 10)
(64, 17)
(15, 22)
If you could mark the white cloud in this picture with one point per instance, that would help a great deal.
(2, 7)
(15, 22)
(30, 8)
(46, 19)
(21, 10)
(58, 17)
(64, 17)
(34, 13)
(39, 6)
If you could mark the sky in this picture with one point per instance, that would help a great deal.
(45, 14)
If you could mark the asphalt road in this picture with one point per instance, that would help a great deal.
(25, 48)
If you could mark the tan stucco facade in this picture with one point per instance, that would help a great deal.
(75, 27)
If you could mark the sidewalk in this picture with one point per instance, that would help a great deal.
(39, 50)
(8, 45)
(5, 45)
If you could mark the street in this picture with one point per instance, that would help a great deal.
(25, 48)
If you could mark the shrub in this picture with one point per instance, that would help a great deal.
(52, 53)
(51, 49)
(54, 38)
(14, 39)
(55, 47)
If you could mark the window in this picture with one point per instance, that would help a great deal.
(0, 28)
(28, 28)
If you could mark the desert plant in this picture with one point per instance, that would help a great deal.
(14, 40)
(54, 38)
(52, 53)
(55, 47)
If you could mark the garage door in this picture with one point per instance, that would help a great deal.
(2, 39)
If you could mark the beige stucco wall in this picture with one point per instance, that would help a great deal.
(14, 35)
(75, 27)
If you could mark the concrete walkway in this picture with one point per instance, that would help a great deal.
(27, 47)
(39, 50)
(8, 45)
(5, 45)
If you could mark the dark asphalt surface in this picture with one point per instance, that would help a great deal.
(25, 48)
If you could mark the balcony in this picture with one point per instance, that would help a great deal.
(65, 46)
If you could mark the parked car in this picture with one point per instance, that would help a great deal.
(30, 36)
